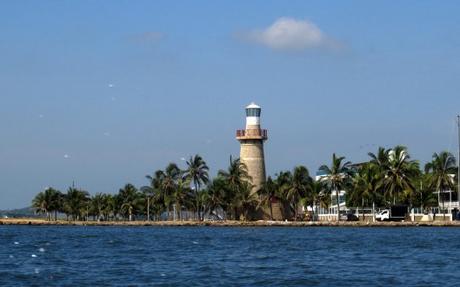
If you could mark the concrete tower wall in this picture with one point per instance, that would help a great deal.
(252, 155)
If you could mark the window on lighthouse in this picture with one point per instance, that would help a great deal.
(253, 112)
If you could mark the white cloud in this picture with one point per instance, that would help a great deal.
(291, 34)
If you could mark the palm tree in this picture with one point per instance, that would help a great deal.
(336, 177)
(267, 194)
(97, 205)
(441, 173)
(168, 184)
(108, 206)
(236, 178)
(424, 194)
(130, 200)
(216, 200)
(197, 173)
(381, 159)
(181, 194)
(298, 186)
(47, 202)
(282, 181)
(41, 204)
(76, 202)
(246, 200)
(366, 185)
(399, 173)
(58, 203)
(155, 193)
(152, 191)
(316, 196)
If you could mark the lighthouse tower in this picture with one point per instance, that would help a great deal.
(252, 146)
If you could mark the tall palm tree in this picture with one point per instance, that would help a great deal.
(108, 206)
(156, 192)
(316, 195)
(425, 192)
(76, 202)
(366, 186)
(216, 199)
(381, 158)
(399, 173)
(97, 205)
(441, 173)
(197, 173)
(58, 203)
(130, 200)
(152, 191)
(47, 202)
(282, 181)
(168, 184)
(181, 194)
(298, 186)
(236, 178)
(41, 204)
(267, 194)
(336, 177)
(246, 200)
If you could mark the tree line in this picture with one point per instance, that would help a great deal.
(390, 177)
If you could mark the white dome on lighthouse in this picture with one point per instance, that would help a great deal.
(253, 106)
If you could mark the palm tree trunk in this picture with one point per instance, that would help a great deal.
(197, 201)
(148, 208)
(271, 210)
(338, 204)
(443, 210)
(313, 211)
(295, 211)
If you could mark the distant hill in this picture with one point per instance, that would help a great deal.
(20, 212)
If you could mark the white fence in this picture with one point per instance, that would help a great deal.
(368, 214)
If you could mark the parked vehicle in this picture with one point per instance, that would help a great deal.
(348, 217)
(395, 212)
(352, 217)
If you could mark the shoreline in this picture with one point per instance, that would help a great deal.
(228, 223)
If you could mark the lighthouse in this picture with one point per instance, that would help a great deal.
(252, 146)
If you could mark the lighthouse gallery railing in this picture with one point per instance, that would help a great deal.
(252, 133)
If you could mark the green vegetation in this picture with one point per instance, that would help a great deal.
(337, 177)
(389, 177)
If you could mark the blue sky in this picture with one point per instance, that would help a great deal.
(104, 92)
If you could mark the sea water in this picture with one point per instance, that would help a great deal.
(228, 256)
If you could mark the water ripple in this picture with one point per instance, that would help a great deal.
(203, 256)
